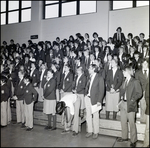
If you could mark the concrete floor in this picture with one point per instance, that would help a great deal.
(14, 136)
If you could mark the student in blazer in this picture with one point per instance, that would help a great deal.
(114, 80)
(130, 93)
(140, 75)
(30, 96)
(5, 94)
(35, 76)
(49, 104)
(79, 85)
(94, 96)
(18, 94)
(67, 80)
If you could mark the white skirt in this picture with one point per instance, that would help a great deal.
(49, 107)
(112, 101)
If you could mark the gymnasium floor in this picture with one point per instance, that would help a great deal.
(14, 136)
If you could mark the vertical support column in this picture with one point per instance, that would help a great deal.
(36, 20)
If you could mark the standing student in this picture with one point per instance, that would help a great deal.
(114, 80)
(66, 81)
(79, 89)
(18, 96)
(43, 75)
(146, 138)
(130, 92)
(143, 76)
(5, 94)
(49, 104)
(30, 96)
(94, 94)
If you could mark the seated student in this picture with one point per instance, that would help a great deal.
(49, 94)
(5, 94)
(30, 96)
(65, 107)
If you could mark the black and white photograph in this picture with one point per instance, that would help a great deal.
(74, 73)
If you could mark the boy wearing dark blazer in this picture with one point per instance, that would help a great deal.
(130, 93)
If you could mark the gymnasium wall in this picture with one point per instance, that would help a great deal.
(63, 27)
(134, 20)
(104, 22)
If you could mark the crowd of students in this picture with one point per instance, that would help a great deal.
(90, 67)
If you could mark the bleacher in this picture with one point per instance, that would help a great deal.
(107, 127)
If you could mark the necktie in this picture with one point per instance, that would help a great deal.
(45, 85)
(145, 73)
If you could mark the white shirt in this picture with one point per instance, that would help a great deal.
(114, 71)
(147, 71)
(32, 72)
(127, 81)
(92, 79)
(78, 79)
(69, 100)
(43, 70)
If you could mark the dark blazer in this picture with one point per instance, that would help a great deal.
(49, 60)
(140, 76)
(49, 91)
(97, 90)
(5, 93)
(41, 55)
(67, 82)
(19, 90)
(116, 81)
(122, 37)
(30, 94)
(133, 93)
(147, 98)
(80, 87)
(57, 76)
(35, 77)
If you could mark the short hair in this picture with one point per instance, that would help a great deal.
(128, 67)
(95, 33)
(27, 76)
(130, 34)
(60, 107)
(119, 28)
(3, 78)
(4, 42)
(11, 40)
(87, 34)
(142, 34)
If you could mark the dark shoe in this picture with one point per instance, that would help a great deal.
(2, 126)
(65, 132)
(74, 134)
(133, 144)
(29, 129)
(48, 127)
(88, 135)
(121, 140)
(95, 136)
(23, 125)
(53, 128)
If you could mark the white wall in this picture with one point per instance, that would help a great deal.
(63, 27)
(103, 22)
(134, 20)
